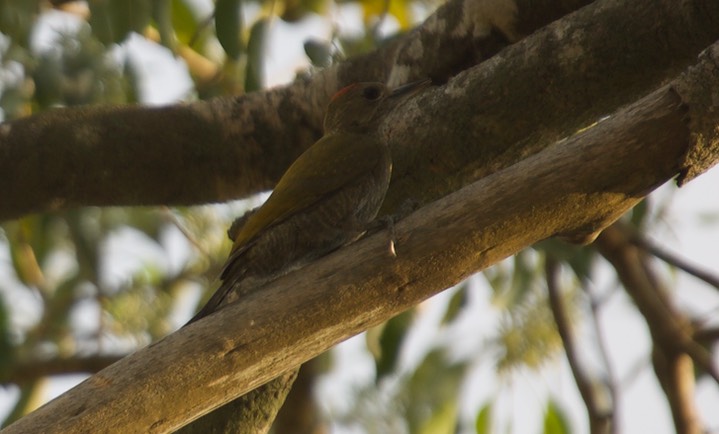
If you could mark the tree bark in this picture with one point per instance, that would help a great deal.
(231, 147)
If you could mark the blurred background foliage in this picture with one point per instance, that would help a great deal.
(81, 288)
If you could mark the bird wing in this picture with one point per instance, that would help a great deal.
(327, 166)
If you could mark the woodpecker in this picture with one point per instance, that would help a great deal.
(326, 199)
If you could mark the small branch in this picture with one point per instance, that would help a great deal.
(675, 260)
(675, 372)
(611, 382)
(189, 236)
(669, 327)
(29, 371)
(707, 335)
(674, 346)
(600, 421)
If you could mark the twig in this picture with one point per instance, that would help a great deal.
(668, 326)
(599, 420)
(707, 335)
(611, 382)
(675, 260)
(674, 350)
(172, 218)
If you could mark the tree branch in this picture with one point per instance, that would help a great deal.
(674, 346)
(611, 378)
(209, 151)
(578, 186)
(600, 420)
(230, 147)
(675, 260)
(707, 335)
(28, 371)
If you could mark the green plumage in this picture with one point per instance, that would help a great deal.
(326, 199)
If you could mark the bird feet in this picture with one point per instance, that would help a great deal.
(388, 222)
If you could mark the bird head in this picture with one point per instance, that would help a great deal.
(360, 106)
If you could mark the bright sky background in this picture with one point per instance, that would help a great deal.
(691, 230)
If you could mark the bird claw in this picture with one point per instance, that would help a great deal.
(381, 223)
(388, 222)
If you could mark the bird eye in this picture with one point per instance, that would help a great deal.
(372, 93)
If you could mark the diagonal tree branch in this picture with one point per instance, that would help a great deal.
(601, 420)
(675, 350)
(675, 260)
(230, 147)
(225, 148)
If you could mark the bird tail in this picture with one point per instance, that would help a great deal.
(213, 303)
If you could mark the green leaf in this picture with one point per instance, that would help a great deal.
(400, 9)
(579, 258)
(228, 26)
(24, 258)
(390, 343)
(162, 14)
(527, 334)
(555, 421)
(184, 21)
(443, 420)
(640, 212)
(294, 10)
(483, 423)
(254, 77)
(113, 20)
(431, 394)
(7, 353)
(456, 303)
(17, 19)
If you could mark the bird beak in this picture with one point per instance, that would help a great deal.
(410, 88)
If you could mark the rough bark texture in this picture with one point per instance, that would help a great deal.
(575, 188)
(231, 147)
(201, 152)
(546, 87)
(252, 413)
(301, 413)
(701, 97)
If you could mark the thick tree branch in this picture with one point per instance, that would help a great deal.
(209, 151)
(230, 147)
(577, 186)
